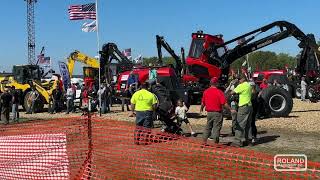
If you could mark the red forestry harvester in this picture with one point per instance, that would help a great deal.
(210, 57)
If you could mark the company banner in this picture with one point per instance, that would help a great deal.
(64, 74)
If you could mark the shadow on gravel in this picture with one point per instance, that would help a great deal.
(262, 132)
(287, 117)
(195, 115)
(312, 110)
(266, 139)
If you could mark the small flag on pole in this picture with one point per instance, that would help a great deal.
(89, 27)
(127, 53)
(44, 60)
(80, 12)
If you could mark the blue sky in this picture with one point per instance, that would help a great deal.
(134, 23)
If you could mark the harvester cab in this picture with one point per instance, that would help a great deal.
(198, 61)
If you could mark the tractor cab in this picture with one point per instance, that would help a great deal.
(24, 73)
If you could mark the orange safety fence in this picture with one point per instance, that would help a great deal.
(97, 148)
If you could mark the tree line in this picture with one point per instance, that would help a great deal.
(259, 60)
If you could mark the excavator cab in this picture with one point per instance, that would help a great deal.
(25, 73)
(91, 76)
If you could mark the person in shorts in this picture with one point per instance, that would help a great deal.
(181, 113)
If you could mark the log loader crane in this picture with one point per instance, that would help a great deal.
(209, 57)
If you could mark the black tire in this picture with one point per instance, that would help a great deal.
(278, 101)
(27, 103)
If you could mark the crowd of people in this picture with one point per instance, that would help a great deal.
(150, 101)
(9, 101)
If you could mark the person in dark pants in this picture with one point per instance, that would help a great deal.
(15, 104)
(213, 100)
(244, 115)
(5, 99)
(108, 97)
(70, 99)
(255, 108)
(143, 104)
(33, 99)
(102, 93)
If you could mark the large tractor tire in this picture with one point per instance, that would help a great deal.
(27, 103)
(278, 101)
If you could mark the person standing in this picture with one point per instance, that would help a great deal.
(108, 96)
(244, 115)
(152, 74)
(255, 109)
(181, 113)
(5, 99)
(233, 102)
(264, 84)
(102, 92)
(34, 95)
(143, 105)
(70, 100)
(15, 104)
(213, 100)
(303, 85)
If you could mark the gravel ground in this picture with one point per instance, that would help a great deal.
(305, 118)
(297, 133)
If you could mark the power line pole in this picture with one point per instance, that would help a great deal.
(31, 31)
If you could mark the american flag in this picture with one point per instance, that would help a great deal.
(127, 53)
(43, 60)
(85, 11)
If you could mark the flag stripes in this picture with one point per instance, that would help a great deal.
(80, 12)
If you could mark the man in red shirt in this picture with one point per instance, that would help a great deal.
(214, 100)
(264, 84)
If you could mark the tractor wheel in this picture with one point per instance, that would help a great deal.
(27, 103)
(278, 101)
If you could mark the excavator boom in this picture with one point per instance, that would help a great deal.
(81, 57)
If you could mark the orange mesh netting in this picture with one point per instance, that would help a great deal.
(81, 148)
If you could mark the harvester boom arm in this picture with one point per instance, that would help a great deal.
(161, 42)
(286, 29)
(110, 51)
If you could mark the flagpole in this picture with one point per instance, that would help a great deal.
(98, 48)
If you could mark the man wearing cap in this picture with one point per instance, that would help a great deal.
(244, 115)
(213, 100)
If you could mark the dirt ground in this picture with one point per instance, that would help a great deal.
(299, 133)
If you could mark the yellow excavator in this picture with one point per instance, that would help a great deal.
(90, 72)
(25, 76)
